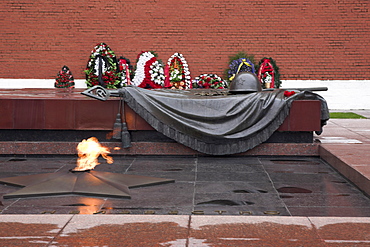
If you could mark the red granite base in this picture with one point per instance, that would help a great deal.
(53, 109)
(152, 148)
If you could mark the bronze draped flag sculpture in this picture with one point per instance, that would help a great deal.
(216, 123)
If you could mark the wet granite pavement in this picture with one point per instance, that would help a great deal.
(215, 201)
(240, 186)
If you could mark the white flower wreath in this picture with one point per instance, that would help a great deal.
(140, 72)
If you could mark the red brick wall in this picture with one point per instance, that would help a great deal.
(323, 39)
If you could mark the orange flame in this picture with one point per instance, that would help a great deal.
(88, 153)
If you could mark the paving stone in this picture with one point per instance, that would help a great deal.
(210, 184)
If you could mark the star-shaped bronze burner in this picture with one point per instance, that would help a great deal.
(86, 183)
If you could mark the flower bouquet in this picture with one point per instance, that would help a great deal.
(209, 81)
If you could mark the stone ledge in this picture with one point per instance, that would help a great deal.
(153, 148)
(348, 170)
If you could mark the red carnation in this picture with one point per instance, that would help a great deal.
(288, 93)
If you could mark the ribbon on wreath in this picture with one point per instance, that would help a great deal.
(100, 70)
(167, 83)
(244, 62)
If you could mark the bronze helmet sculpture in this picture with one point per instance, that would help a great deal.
(245, 82)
